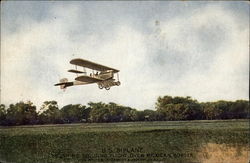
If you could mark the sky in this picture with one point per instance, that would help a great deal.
(175, 48)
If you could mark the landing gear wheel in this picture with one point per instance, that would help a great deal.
(100, 86)
(107, 88)
(118, 83)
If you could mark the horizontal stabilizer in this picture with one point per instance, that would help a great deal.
(76, 71)
(64, 83)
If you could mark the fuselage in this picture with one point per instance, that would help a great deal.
(105, 75)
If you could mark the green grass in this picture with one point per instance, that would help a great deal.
(175, 141)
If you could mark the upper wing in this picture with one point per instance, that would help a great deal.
(88, 79)
(91, 65)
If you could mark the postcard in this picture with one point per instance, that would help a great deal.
(124, 81)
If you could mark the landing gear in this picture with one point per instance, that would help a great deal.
(108, 84)
(118, 83)
(100, 86)
(107, 88)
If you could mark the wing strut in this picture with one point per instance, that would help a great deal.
(118, 76)
(76, 70)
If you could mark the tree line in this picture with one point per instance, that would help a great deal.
(167, 108)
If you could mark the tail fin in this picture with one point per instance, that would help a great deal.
(64, 83)
(63, 80)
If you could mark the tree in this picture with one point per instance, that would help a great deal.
(3, 113)
(242, 108)
(178, 108)
(173, 112)
(129, 114)
(50, 113)
(226, 109)
(167, 108)
(111, 112)
(74, 113)
(163, 101)
(151, 115)
(139, 116)
(239, 109)
(193, 111)
(21, 114)
(211, 111)
(99, 112)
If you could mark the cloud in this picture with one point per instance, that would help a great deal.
(202, 53)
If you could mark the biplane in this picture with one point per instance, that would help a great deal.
(100, 74)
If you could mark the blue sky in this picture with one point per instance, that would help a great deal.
(176, 48)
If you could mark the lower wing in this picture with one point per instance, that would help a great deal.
(88, 79)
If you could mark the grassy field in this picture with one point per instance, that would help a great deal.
(174, 142)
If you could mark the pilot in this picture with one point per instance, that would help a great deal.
(90, 74)
(96, 73)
